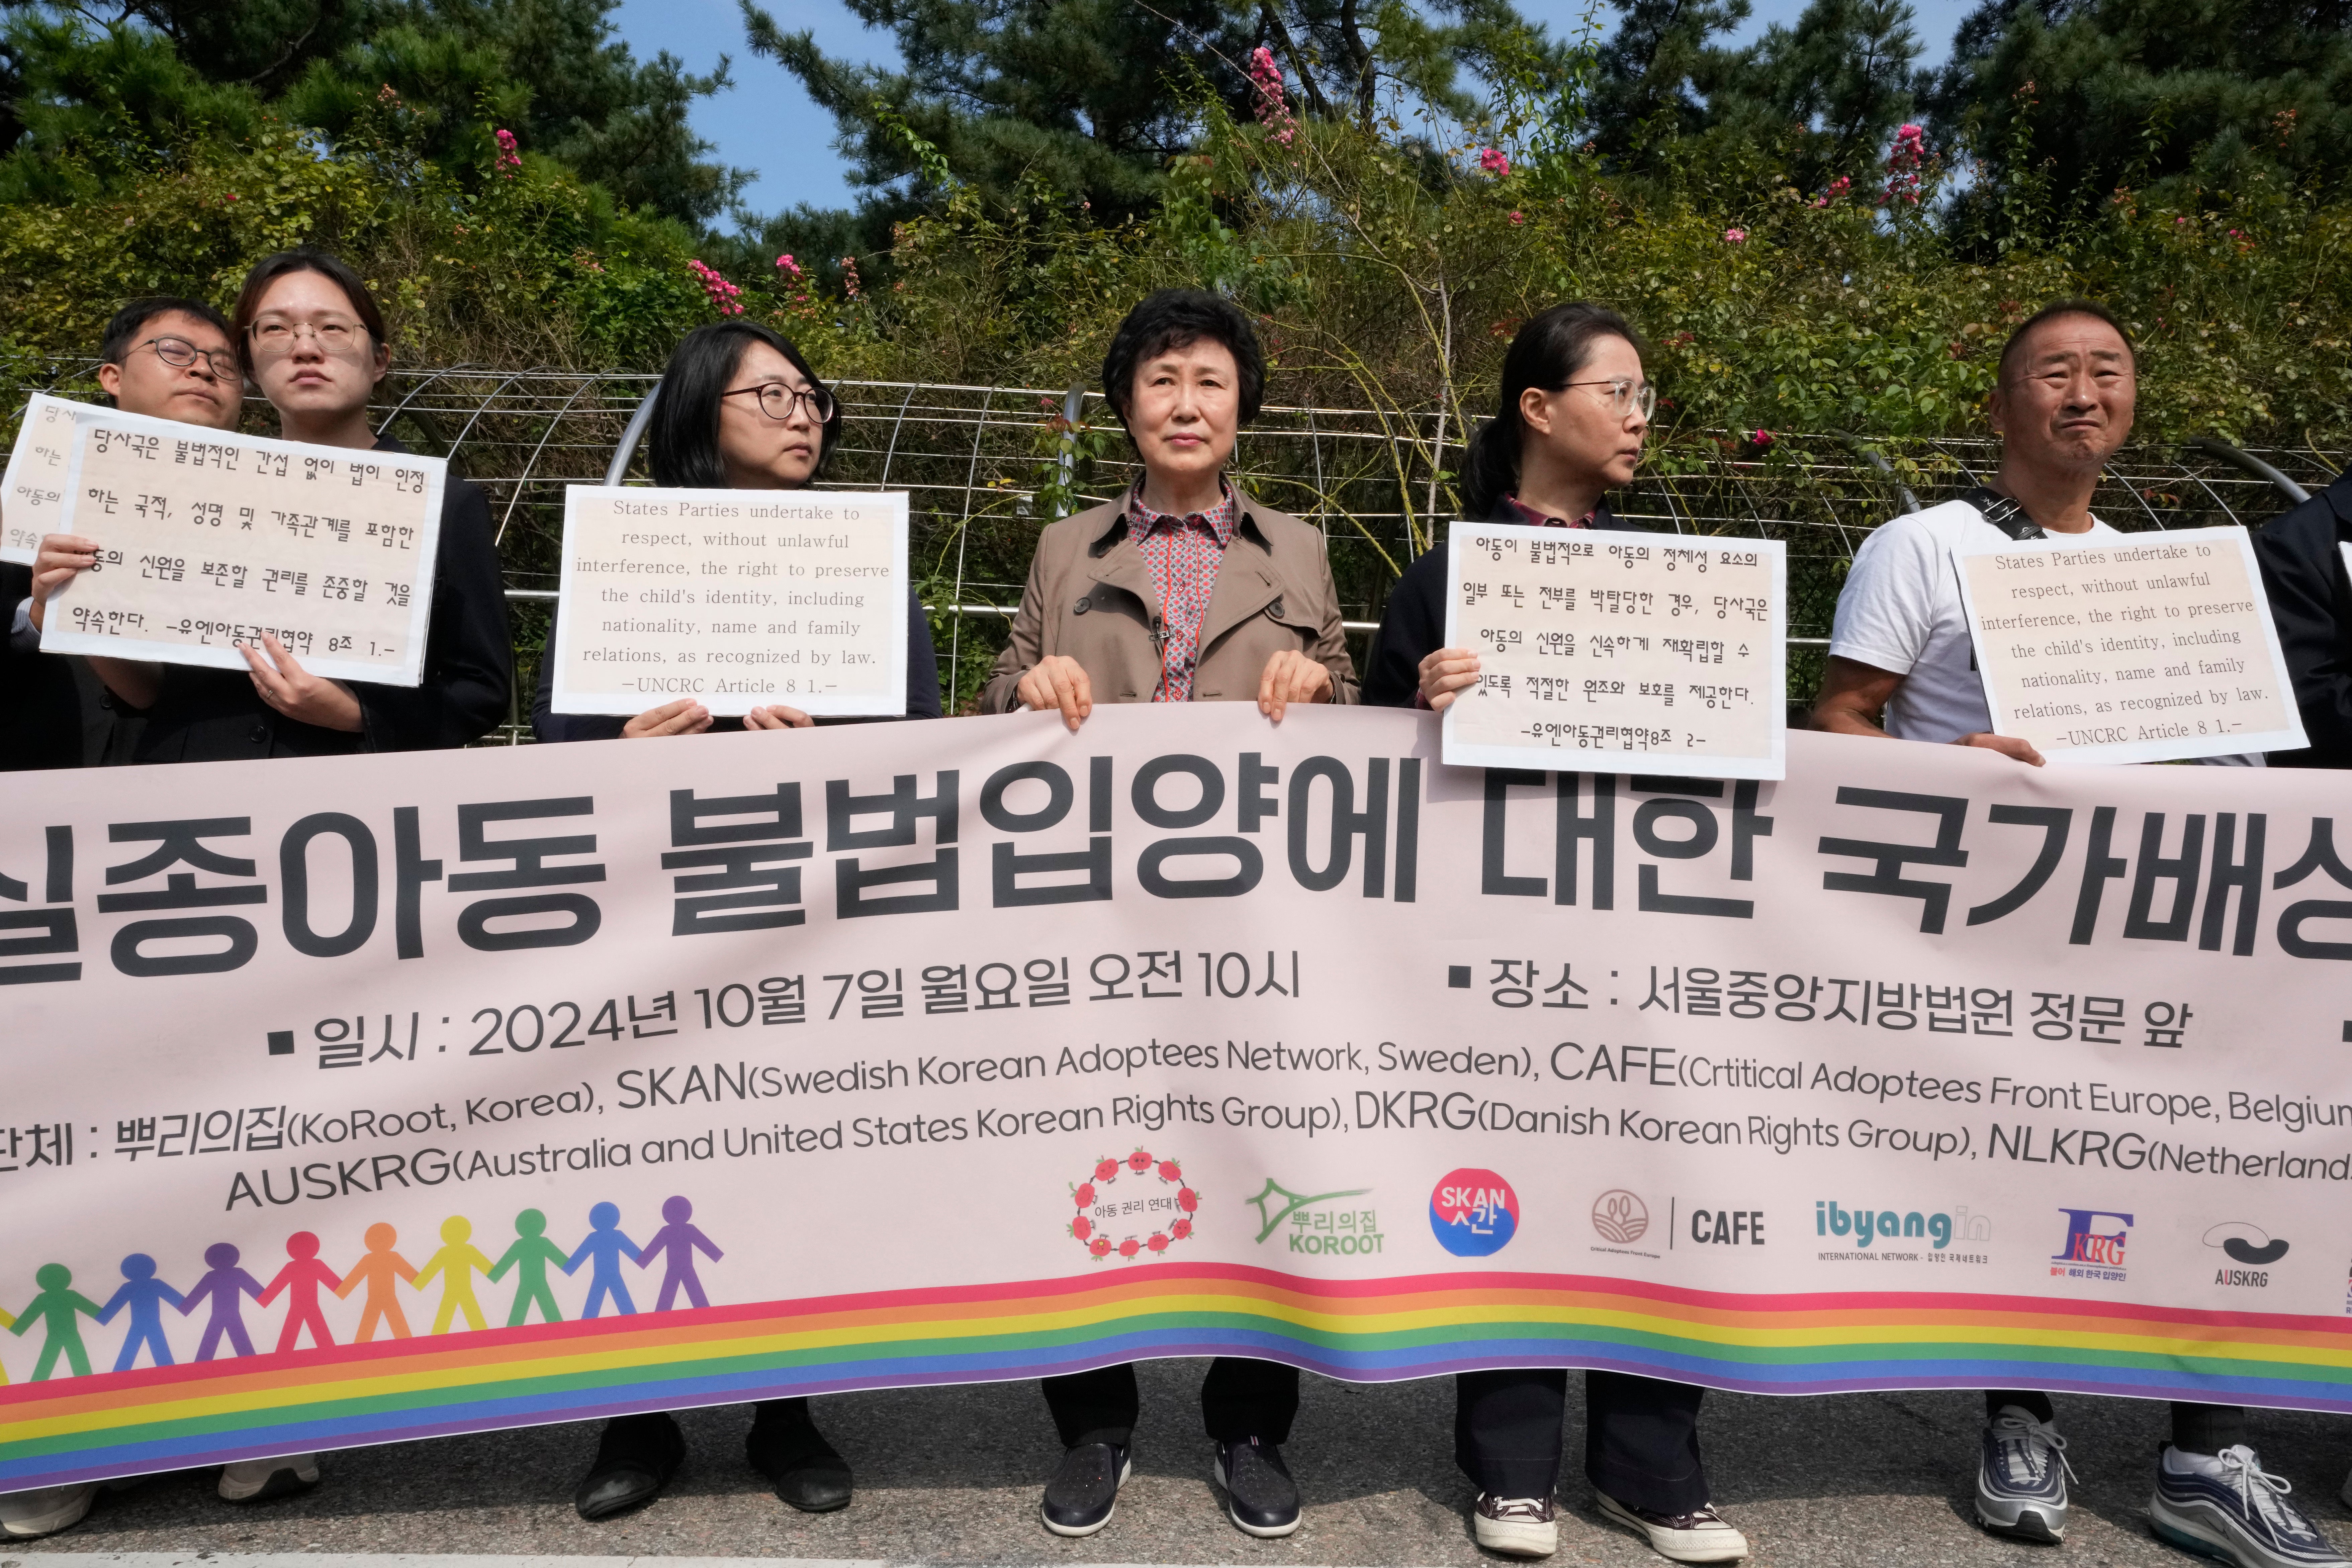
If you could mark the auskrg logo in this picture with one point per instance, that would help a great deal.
(1860, 1226)
(1318, 1222)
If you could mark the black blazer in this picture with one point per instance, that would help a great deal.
(214, 715)
(40, 710)
(923, 690)
(1413, 625)
(2311, 600)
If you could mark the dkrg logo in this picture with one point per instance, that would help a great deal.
(1620, 1216)
(1473, 1213)
(2089, 1252)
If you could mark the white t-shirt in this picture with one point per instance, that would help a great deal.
(1900, 611)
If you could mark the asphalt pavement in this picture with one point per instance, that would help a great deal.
(953, 1476)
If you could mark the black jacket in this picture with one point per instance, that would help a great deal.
(550, 727)
(2311, 600)
(214, 715)
(1413, 625)
(40, 710)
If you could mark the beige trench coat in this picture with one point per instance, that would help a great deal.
(1090, 597)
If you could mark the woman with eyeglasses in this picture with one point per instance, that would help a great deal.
(311, 337)
(739, 409)
(1575, 408)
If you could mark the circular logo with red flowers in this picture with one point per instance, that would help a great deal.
(1136, 1207)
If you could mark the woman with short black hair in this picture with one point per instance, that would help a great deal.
(739, 408)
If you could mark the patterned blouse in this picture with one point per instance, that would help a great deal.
(1184, 554)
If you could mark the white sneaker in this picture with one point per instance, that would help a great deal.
(45, 1511)
(1705, 1536)
(2021, 1473)
(2227, 1506)
(1517, 1526)
(259, 1481)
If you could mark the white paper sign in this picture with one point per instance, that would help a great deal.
(208, 539)
(1662, 653)
(740, 599)
(33, 493)
(2146, 647)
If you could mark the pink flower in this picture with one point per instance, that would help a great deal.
(1494, 161)
(1762, 439)
(1273, 108)
(1518, 218)
(1735, 236)
(849, 280)
(788, 264)
(721, 292)
(510, 157)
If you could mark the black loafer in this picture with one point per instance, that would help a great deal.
(1084, 1492)
(798, 1462)
(1260, 1497)
(636, 1458)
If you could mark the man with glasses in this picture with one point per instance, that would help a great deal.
(164, 357)
(2067, 386)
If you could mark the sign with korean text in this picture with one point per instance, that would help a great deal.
(738, 599)
(208, 540)
(379, 1097)
(2144, 647)
(1662, 653)
(33, 491)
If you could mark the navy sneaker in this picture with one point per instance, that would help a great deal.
(2021, 1472)
(1260, 1497)
(1084, 1492)
(2230, 1508)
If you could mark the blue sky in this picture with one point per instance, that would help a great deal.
(767, 123)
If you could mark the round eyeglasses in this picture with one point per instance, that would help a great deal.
(182, 354)
(1625, 395)
(777, 401)
(273, 338)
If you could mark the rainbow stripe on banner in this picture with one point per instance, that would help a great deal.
(83, 1428)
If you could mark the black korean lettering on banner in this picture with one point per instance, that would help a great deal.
(410, 871)
(59, 931)
(2183, 870)
(1150, 871)
(2055, 821)
(1347, 825)
(294, 883)
(1007, 866)
(529, 870)
(903, 807)
(1950, 812)
(2100, 867)
(2230, 872)
(181, 843)
(750, 886)
(2319, 855)
(1574, 827)
(1683, 803)
(1494, 879)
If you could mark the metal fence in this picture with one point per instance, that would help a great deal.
(986, 467)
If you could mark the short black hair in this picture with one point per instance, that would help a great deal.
(122, 332)
(333, 269)
(1172, 319)
(682, 438)
(2053, 312)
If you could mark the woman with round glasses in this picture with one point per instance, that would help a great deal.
(311, 337)
(1574, 410)
(739, 408)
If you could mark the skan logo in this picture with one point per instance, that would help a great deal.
(1860, 1228)
(1473, 1213)
(2092, 1252)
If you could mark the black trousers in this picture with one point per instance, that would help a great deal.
(2204, 1429)
(1641, 1435)
(1239, 1399)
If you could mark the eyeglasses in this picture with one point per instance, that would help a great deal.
(182, 354)
(1625, 394)
(272, 337)
(777, 401)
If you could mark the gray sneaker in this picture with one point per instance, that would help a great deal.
(43, 1511)
(2232, 1510)
(2021, 1472)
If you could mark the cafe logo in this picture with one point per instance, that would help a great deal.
(1473, 1213)
(1620, 1216)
